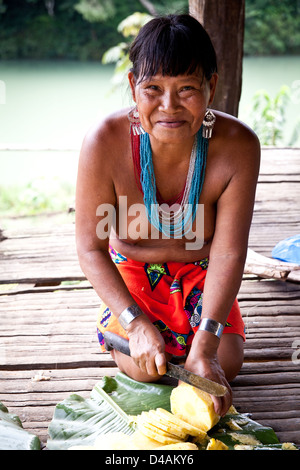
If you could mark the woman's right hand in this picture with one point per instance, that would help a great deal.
(147, 347)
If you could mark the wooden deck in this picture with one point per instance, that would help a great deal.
(47, 322)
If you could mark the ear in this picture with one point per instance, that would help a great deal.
(212, 86)
(131, 80)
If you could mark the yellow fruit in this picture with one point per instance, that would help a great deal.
(243, 447)
(179, 446)
(138, 441)
(152, 434)
(82, 448)
(113, 441)
(193, 406)
(232, 411)
(245, 439)
(289, 446)
(121, 441)
(186, 427)
(233, 425)
(215, 444)
(165, 425)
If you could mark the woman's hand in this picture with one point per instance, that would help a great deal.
(203, 360)
(147, 347)
(211, 369)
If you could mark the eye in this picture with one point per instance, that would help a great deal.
(188, 88)
(153, 88)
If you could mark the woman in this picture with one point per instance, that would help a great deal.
(169, 280)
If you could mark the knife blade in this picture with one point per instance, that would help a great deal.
(114, 341)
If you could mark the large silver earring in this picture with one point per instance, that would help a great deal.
(135, 123)
(208, 124)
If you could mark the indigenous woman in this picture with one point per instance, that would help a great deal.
(164, 203)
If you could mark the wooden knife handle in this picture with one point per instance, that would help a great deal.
(113, 341)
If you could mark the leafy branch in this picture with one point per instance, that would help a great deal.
(119, 54)
(269, 116)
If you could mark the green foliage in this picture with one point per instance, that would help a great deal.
(269, 116)
(85, 29)
(96, 10)
(2, 7)
(38, 196)
(12, 434)
(28, 31)
(129, 28)
(272, 27)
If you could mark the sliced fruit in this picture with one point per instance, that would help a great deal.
(186, 427)
(215, 444)
(180, 446)
(193, 406)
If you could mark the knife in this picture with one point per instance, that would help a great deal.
(113, 341)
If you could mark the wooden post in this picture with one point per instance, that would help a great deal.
(224, 22)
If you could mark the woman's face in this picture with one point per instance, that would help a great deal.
(172, 109)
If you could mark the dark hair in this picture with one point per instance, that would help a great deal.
(172, 45)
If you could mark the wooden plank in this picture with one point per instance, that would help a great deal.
(283, 164)
(47, 254)
(280, 377)
(50, 329)
(264, 289)
(263, 368)
(34, 402)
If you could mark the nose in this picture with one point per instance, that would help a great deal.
(169, 102)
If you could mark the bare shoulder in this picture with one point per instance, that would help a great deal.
(237, 145)
(236, 138)
(105, 138)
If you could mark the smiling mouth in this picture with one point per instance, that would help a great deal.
(171, 124)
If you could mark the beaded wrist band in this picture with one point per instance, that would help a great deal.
(214, 327)
(128, 315)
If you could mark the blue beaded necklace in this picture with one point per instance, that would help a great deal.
(179, 221)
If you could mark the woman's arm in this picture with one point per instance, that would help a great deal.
(95, 186)
(227, 255)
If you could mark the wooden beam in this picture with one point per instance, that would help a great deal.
(224, 22)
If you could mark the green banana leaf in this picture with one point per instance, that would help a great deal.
(114, 402)
(134, 397)
(12, 434)
(78, 421)
(249, 432)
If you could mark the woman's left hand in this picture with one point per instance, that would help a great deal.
(211, 369)
(204, 362)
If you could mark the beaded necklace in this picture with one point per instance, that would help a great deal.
(172, 218)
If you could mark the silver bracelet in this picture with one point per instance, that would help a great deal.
(128, 315)
(214, 327)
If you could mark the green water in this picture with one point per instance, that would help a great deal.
(50, 105)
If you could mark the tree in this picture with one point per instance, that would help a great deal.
(224, 22)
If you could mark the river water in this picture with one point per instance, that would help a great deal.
(47, 107)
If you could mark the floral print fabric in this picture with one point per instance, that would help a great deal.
(171, 295)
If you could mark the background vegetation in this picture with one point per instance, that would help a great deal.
(85, 29)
